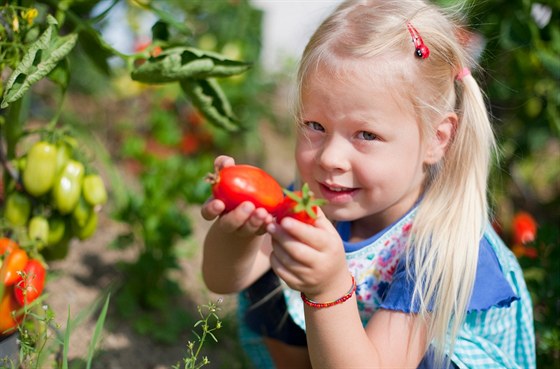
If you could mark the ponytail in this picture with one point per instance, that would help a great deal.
(451, 220)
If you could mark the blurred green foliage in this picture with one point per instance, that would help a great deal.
(521, 75)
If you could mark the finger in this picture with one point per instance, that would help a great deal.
(289, 250)
(223, 161)
(257, 221)
(322, 221)
(236, 218)
(212, 209)
(314, 236)
(284, 272)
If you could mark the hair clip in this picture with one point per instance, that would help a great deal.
(421, 50)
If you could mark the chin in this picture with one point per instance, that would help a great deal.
(340, 215)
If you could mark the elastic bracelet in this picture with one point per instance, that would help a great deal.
(320, 305)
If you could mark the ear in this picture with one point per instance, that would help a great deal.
(442, 137)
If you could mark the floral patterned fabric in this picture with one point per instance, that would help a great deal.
(372, 262)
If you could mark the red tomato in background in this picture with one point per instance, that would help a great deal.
(236, 184)
(524, 228)
(31, 283)
(14, 262)
(7, 245)
(8, 304)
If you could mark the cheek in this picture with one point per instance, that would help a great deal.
(304, 160)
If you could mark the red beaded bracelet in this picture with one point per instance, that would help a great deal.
(320, 305)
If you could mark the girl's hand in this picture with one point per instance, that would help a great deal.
(245, 220)
(213, 208)
(310, 259)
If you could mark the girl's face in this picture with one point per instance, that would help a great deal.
(359, 147)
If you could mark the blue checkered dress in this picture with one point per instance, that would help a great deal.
(500, 337)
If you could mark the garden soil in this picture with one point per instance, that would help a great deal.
(91, 269)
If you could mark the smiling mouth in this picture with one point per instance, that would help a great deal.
(337, 189)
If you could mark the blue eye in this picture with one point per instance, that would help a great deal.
(368, 136)
(314, 126)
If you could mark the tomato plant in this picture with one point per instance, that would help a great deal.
(238, 183)
(300, 205)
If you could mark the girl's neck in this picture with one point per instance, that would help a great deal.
(364, 228)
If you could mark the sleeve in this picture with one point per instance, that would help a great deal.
(490, 286)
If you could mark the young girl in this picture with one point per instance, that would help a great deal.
(401, 269)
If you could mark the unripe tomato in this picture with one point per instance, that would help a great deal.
(17, 209)
(57, 227)
(63, 155)
(40, 169)
(31, 283)
(38, 230)
(68, 186)
(88, 229)
(82, 212)
(236, 184)
(8, 304)
(14, 262)
(94, 190)
(59, 250)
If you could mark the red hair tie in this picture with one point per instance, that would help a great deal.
(463, 73)
(421, 50)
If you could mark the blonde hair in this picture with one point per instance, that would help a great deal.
(453, 213)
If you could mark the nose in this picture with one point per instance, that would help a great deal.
(333, 155)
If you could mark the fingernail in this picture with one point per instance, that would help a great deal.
(271, 228)
(287, 222)
(247, 207)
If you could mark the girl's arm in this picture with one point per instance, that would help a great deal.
(337, 339)
(311, 259)
(236, 249)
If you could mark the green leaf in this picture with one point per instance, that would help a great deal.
(40, 59)
(97, 333)
(550, 61)
(179, 63)
(66, 345)
(209, 98)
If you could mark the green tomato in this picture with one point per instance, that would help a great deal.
(63, 155)
(40, 169)
(57, 227)
(68, 187)
(94, 190)
(88, 229)
(38, 230)
(59, 250)
(17, 209)
(82, 212)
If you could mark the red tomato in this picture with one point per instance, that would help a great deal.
(31, 283)
(13, 263)
(236, 184)
(189, 144)
(300, 205)
(8, 304)
(7, 245)
(524, 228)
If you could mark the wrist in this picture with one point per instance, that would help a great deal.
(325, 300)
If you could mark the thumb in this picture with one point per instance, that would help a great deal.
(322, 221)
